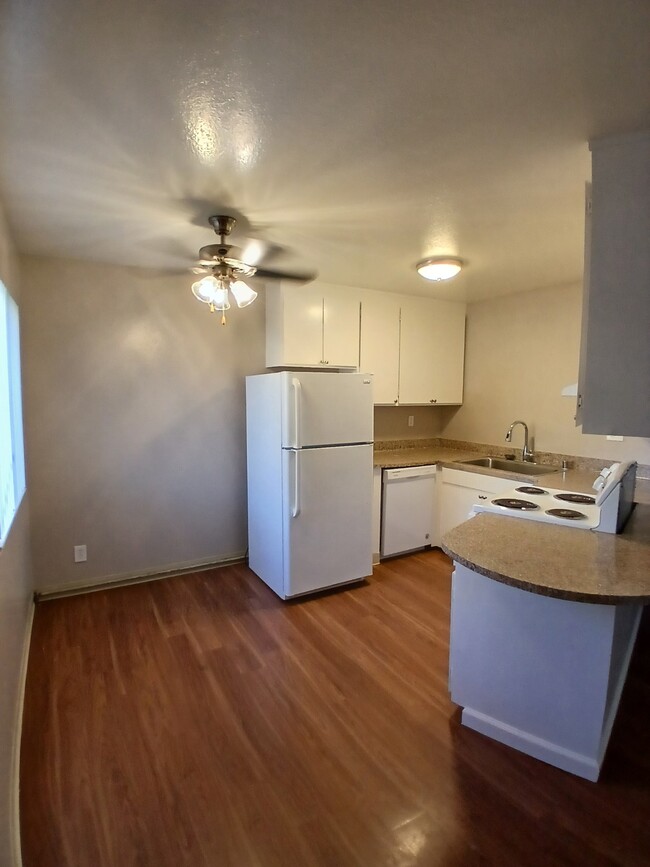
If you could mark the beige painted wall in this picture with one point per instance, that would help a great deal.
(391, 422)
(521, 351)
(135, 420)
(15, 603)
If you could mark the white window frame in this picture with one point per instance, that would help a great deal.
(12, 451)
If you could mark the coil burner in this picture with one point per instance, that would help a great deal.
(516, 503)
(568, 514)
(530, 490)
(578, 499)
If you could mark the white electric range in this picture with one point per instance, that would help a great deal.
(606, 510)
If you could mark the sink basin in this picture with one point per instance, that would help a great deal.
(524, 467)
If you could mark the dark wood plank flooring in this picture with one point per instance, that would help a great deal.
(201, 721)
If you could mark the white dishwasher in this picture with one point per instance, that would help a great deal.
(408, 509)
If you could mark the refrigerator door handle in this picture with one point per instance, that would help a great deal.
(297, 397)
(295, 511)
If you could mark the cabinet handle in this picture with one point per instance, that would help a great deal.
(482, 497)
(579, 401)
(395, 401)
(433, 400)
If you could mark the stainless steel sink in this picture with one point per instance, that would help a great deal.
(523, 467)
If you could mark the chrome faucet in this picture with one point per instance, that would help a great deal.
(526, 453)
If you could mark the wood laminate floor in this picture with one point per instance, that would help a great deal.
(201, 721)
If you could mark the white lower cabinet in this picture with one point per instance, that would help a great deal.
(416, 510)
(460, 490)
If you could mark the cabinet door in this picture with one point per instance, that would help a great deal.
(380, 343)
(294, 326)
(312, 326)
(340, 326)
(432, 351)
(582, 369)
(456, 503)
(615, 363)
(457, 497)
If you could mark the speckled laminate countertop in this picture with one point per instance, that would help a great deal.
(420, 456)
(563, 562)
(578, 480)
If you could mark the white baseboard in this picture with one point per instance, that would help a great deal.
(14, 828)
(553, 754)
(126, 578)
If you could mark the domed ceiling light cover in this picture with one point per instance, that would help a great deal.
(439, 267)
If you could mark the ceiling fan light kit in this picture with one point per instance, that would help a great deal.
(224, 272)
(439, 267)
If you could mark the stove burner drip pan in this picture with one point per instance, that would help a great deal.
(516, 503)
(529, 489)
(568, 514)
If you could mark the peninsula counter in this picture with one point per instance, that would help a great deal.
(543, 624)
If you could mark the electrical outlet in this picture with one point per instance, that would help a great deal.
(411, 420)
(80, 553)
(615, 439)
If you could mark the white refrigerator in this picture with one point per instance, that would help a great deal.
(309, 460)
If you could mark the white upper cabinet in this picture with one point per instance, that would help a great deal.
(414, 347)
(432, 351)
(614, 386)
(312, 326)
(380, 343)
(341, 312)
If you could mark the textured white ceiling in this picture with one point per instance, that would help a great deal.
(359, 136)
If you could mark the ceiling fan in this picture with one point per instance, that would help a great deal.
(225, 272)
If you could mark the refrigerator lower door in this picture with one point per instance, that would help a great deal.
(328, 522)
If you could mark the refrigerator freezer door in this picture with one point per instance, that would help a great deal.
(328, 517)
(322, 409)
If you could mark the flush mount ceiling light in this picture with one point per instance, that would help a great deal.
(439, 267)
(224, 272)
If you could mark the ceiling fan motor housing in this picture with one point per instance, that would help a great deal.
(214, 259)
(222, 224)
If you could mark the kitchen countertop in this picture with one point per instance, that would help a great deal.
(578, 480)
(421, 456)
(562, 562)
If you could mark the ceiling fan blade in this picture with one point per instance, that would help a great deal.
(305, 277)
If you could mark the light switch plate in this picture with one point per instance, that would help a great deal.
(80, 553)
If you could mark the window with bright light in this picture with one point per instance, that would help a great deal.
(12, 456)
